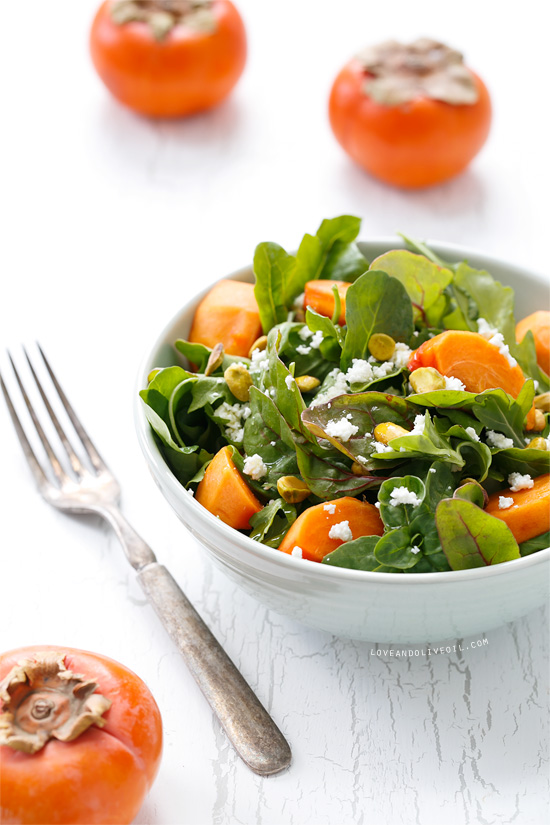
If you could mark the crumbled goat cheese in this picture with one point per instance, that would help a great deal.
(400, 495)
(377, 505)
(362, 459)
(432, 470)
(381, 448)
(316, 339)
(401, 355)
(273, 443)
(519, 482)
(298, 302)
(305, 333)
(419, 424)
(341, 531)
(415, 549)
(472, 433)
(484, 328)
(254, 466)
(289, 381)
(504, 502)
(330, 508)
(340, 387)
(496, 338)
(234, 414)
(302, 349)
(498, 440)
(383, 369)
(189, 491)
(258, 360)
(342, 429)
(297, 552)
(360, 372)
(452, 383)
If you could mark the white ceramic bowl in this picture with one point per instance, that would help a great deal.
(378, 607)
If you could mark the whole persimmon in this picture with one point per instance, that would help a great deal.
(80, 738)
(411, 115)
(168, 58)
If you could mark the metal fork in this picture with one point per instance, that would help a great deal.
(93, 489)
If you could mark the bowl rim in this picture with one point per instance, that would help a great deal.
(165, 478)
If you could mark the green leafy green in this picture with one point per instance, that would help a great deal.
(375, 303)
(470, 537)
(533, 545)
(356, 555)
(424, 280)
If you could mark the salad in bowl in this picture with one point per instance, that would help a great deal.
(385, 415)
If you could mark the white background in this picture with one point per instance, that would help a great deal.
(111, 222)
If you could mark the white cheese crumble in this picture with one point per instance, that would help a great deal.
(273, 443)
(360, 372)
(519, 482)
(297, 552)
(289, 380)
(305, 333)
(401, 495)
(419, 424)
(254, 466)
(498, 440)
(495, 338)
(330, 508)
(452, 383)
(504, 502)
(381, 448)
(298, 302)
(432, 470)
(377, 505)
(302, 349)
(258, 360)
(472, 433)
(316, 339)
(235, 415)
(401, 355)
(342, 429)
(415, 549)
(340, 387)
(340, 531)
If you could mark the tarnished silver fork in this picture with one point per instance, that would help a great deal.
(88, 486)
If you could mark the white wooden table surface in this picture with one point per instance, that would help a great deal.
(110, 222)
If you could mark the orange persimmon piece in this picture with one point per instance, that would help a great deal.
(225, 494)
(470, 357)
(319, 296)
(228, 315)
(310, 531)
(529, 515)
(539, 324)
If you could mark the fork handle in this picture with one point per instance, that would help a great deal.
(255, 736)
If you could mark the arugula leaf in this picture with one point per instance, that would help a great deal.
(375, 303)
(498, 411)
(533, 545)
(198, 354)
(424, 280)
(526, 355)
(526, 461)
(470, 537)
(275, 287)
(357, 554)
(271, 523)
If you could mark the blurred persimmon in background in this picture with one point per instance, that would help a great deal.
(168, 58)
(411, 115)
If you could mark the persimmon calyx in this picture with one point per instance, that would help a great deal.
(163, 15)
(40, 700)
(401, 72)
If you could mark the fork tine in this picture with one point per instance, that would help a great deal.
(34, 464)
(87, 443)
(75, 462)
(54, 461)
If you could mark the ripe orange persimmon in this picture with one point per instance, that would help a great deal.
(412, 115)
(168, 58)
(80, 738)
